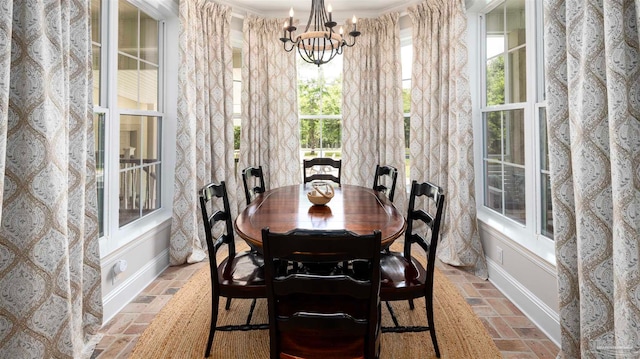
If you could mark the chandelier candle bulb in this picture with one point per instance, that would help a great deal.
(291, 16)
(354, 20)
(330, 15)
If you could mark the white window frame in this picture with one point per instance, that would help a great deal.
(116, 237)
(527, 235)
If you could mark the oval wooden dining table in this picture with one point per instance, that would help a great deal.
(354, 208)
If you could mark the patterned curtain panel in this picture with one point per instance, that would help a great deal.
(204, 138)
(441, 131)
(50, 289)
(593, 80)
(6, 22)
(270, 134)
(372, 117)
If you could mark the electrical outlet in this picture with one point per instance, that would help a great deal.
(499, 254)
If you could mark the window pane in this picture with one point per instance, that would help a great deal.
(310, 136)
(495, 39)
(332, 137)
(148, 38)
(546, 228)
(99, 138)
(515, 20)
(517, 76)
(148, 87)
(493, 185)
(493, 135)
(96, 65)
(506, 67)
(96, 38)
(494, 23)
(546, 208)
(150, 151)
(504, 163)
(406, 96)
(495, 81)
(129, 193)
(514, 136)
(127, 82)
(320, 87)
(544, 146)
(331, 101)
(150, 192)
(127, 28)
(237, 81)
(514, 192)
(140, 147)
(96, 15)
(130, 138)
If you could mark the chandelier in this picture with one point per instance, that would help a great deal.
(319, 43)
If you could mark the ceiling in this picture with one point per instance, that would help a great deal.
(343, 9)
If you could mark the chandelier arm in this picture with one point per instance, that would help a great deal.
(284, 45)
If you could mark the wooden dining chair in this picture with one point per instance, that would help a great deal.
(253, 180)
(240, 274)
(403, 276)
(323, 293)
(385, 179)
(315, 169)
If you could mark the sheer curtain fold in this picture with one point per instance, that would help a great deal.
(593, 119)
(50, 276)
(372, 115)
(270, 133)
(441, 129)
(204, 134)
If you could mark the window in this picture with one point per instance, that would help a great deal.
(406, 58)
(237, 105)
(515, 173)
(127, 73)
(320, 104)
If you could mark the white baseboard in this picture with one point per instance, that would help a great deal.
(540, 313)
(133, 285)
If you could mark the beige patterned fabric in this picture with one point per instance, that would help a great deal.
(204, 138)
(441, 131)
(372, 115)
(6, 23)
(270, 134)
(593, 81)
(50, 288)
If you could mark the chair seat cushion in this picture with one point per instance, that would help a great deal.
(401, 278)
(245, 269)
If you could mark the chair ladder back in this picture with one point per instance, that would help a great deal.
(207, 194)
(321, 285)
(433, 193)
(392, 174)
(251, 174)
(321, 161)
(339, 324)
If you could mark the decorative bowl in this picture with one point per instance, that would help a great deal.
(321, 194)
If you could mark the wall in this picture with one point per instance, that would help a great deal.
(526, 279)
(147, 256)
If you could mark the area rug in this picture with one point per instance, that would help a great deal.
(181, 328)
